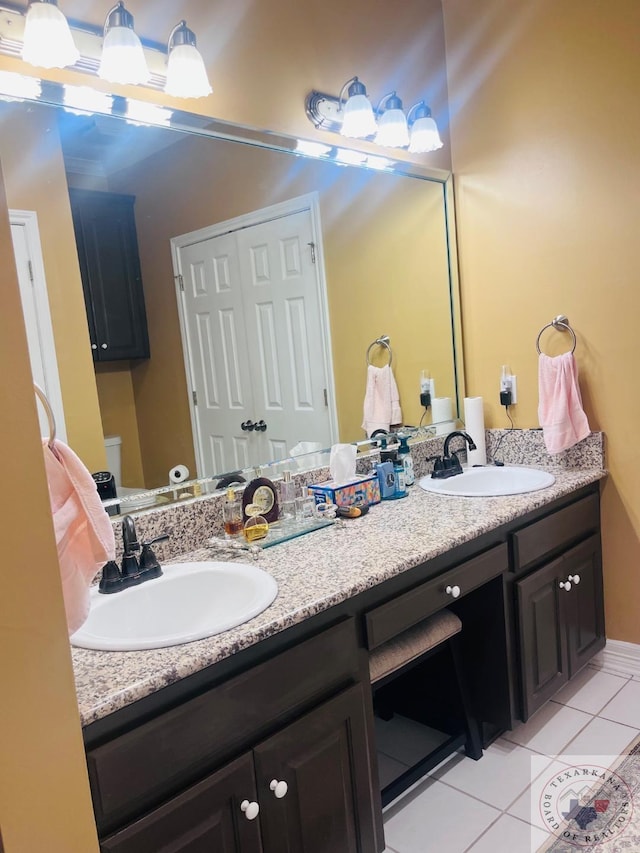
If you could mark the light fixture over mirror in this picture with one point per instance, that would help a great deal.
(48, 42)
(43, 38)
(387, 126)
(122, 58)
(424, 131)
(393, 131)
(358, 120)
(186, 74)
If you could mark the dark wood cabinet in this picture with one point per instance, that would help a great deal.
(561, 613)
(312, 795)
(207, 817)
(322, 759)
(107, 246)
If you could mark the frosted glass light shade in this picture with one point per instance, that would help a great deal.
(359, 120)
(424, 136)
(392, 129)
(186, 73)
(122, 57)
(48, 42)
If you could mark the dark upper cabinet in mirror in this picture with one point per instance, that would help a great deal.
(378, 257)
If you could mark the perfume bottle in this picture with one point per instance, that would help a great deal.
(256, 526)
(287, 497)
(232, 515)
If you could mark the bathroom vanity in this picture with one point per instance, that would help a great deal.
(262, 739)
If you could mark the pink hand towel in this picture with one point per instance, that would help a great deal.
(381, 400)
(84, 535)
(560, 412)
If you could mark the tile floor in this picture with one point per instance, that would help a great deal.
(465, 806)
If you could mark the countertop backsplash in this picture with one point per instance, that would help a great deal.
(195, 520)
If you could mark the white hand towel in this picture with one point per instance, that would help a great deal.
(381, 400)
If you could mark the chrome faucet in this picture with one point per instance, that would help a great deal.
(449, 465)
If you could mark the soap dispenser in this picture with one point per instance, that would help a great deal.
(404, 453)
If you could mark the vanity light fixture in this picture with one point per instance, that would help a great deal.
(122, 58)
(48, 42)
(424, 130)
(186, 73)
(416, 131)
(358, 120)
(43, 37)
(393, 131)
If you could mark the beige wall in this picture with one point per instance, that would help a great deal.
(386, 269)
(118, 411)
(35, 180)
(546, 132)
(44, 791)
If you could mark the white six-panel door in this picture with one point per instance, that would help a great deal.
(253, 313)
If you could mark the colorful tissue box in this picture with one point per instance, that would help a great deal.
(364, 490)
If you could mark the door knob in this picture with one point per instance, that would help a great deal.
(104, 346)
(261, 426)
(566, 586)
(574, 579)
(94, 346)
(247, 426)
(453, 591)
(279, 788)
(250, 810)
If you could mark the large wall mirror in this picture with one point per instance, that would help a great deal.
(377, 241)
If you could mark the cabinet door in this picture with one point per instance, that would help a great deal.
(543, 638)
(584, 602)
(204, 819)
(323, 760)
(110, 268)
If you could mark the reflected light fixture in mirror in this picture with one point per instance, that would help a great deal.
(48, 42)
(186, 74)
(122, 58)
(358, 120)
(393, 131)
(424, 131)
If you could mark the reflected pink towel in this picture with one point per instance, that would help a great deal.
(560, 412)
(381, 400)
(84, 535)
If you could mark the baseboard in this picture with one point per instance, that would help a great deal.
(619, 658)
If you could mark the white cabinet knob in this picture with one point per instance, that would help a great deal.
(104, 346)
(250, 810)
(279, 788)
(566, 586)
(94, 346)
(453, 591)
(574, 579)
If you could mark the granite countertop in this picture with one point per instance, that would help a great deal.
(313, 573)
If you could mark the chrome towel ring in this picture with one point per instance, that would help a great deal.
(561, 323)
(49, 412)
(382, 341)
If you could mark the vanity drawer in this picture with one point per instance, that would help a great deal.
(556, 531)
(394, 617)
(161, 757)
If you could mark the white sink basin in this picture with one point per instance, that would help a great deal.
(190, 601)
(490, 482)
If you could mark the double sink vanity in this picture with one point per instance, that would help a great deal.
(262, 738)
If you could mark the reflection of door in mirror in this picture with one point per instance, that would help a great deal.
(37, 317)
(253, 318)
